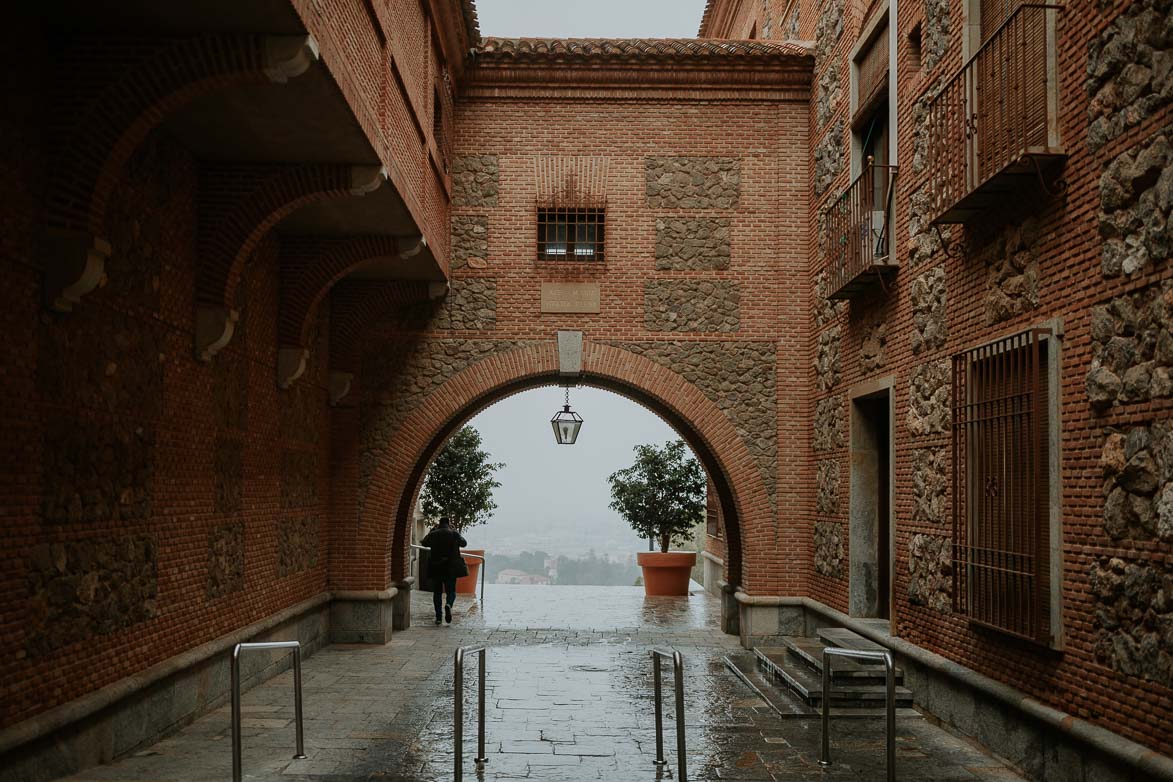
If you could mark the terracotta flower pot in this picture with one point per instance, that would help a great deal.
(666, 574)
(468, 584)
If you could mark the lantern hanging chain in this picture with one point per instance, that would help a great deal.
(568, 396)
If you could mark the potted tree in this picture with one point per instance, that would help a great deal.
(460, 485)
(662, 497)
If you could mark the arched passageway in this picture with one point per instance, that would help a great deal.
(403, 458)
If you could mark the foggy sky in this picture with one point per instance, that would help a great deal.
(590, 18)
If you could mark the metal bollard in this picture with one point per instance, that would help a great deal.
(236, 743)
(889, 702)
(678, 684)
(458, 710)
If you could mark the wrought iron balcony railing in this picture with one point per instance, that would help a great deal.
(859, 233)
(996, 122)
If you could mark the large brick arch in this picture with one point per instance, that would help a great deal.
(384, 525)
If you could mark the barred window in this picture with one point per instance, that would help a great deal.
(1001, 485)
(570, 234)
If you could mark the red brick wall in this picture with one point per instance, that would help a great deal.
(624, 133)
(1070, 283)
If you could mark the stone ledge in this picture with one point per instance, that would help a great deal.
(76, 710)
(1136, 757)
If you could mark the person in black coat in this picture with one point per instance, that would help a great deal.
(445, 564)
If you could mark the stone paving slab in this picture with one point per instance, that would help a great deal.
(568, 697)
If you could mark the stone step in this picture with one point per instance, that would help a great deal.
(784, 702)
(807, 684)
(810, 651)
(847, 639)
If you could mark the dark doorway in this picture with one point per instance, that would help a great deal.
(871, 505)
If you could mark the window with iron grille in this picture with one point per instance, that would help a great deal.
(712, 512)
(1002, 423)
(571, 234)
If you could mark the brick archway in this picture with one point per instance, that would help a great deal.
(404, 457)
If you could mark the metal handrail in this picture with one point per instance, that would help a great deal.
(236, 650)
(484, 566)
(889, 702)
(458, 711)
(678, 675)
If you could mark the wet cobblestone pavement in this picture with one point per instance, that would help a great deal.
(569, 698)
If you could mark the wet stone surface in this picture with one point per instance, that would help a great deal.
(568, 697)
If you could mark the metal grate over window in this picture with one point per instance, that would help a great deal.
(571, 234)
(1001, 496)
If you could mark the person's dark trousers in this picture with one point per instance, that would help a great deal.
(444, 585)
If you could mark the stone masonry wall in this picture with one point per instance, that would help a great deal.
(77, 590)
(692, 305)
(739, 378)
(225, 560)
(928, 409)
(1137, 466)
(829, 548)
(297, 545)
(827, 359)
(1134, 617)
(693, 182)
(475, 180)
(1136, 201)
(827, 482)
(470, 241)
(692, 244)
(930, 486)
(829, 158)
(930, 572)
(471, 304)
(96, 473)
(1129, 74)
(1132, 349)
(830, 424)
(929, 325)
(1012, 282)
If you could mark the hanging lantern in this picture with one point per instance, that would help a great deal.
(566, 423)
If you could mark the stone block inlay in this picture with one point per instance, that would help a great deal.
(1136, 198)
(1138, 483)
(297, 545)
(81, 589)
(929, 392)
(1134, 617)
(692, 243)
(96, 472)
(929, 328)
(1132, 348)
(829, 548)
(930, 572)
(225, 560)
(470, 241)
(475, 180)
(693, 182)
(830, 424)
(692, 305)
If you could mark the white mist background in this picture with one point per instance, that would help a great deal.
(555, 498)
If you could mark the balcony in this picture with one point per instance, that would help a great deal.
(994, 127)
(859, 234)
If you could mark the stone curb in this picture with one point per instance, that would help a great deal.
(1144, 760)
(76, 710)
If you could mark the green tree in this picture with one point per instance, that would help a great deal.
(662, 495)
(460, 482)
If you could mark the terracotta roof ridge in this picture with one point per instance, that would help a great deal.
(636, 47)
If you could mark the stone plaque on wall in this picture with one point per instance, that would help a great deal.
(580, 297)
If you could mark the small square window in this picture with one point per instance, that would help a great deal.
(570, 234)
(914, 47)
